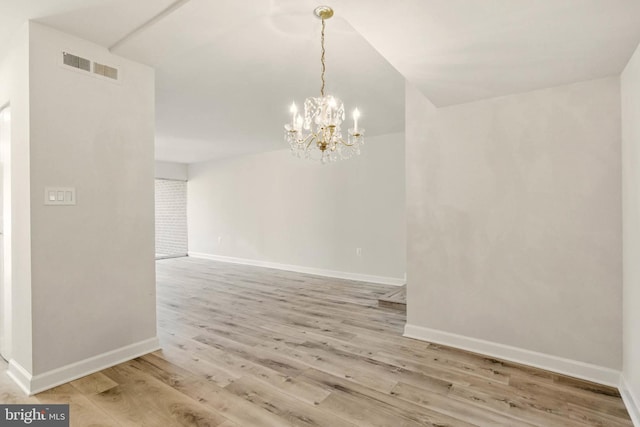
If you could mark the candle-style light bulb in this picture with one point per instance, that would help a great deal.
(356, 115)
(332, 108)
(294, 111)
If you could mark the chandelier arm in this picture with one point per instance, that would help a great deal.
(311, 138)
(324, 67)
(343, 142)
(304, 141)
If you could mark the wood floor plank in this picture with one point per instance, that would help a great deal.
(293, 411)
(93, 384)
(395, 300)
(539, 411)
(82, 412)
(388, 403)
(605, 403)
(252, 347)
(443, 403)
(205, 391)
(368, 412)
(141, 399)
(233, 407)
(10, 393)
(240, 366)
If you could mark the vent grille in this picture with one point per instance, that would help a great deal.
(84, 64)
(105, 70)
(76, 61)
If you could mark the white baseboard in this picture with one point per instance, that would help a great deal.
(573, 368)
(631, 401)
(41, 382)
(19, 375)
(300, 269)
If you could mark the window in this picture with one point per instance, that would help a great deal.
(171, 218)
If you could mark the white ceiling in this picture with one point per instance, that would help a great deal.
(459, 51)
(227, 70)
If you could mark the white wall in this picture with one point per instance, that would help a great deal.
(93, 269)
(275, 208)
(14, 90)
(630, 89)
(171, 170)
(514, 226)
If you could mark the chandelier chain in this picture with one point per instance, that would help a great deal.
(322, 60)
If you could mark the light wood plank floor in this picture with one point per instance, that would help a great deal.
(253, 347)
(396, 299)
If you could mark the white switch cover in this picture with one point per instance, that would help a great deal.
(59, 196)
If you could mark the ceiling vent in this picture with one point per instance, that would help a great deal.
(105, 70)
(76, 61)
(100, 71)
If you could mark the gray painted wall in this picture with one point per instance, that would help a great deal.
(276, 208)
(514, 220)
(92, 265)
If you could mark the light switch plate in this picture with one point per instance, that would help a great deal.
(60, 196)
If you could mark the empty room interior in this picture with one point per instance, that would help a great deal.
(298, 213)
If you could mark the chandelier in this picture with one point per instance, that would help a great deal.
(317, 135)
